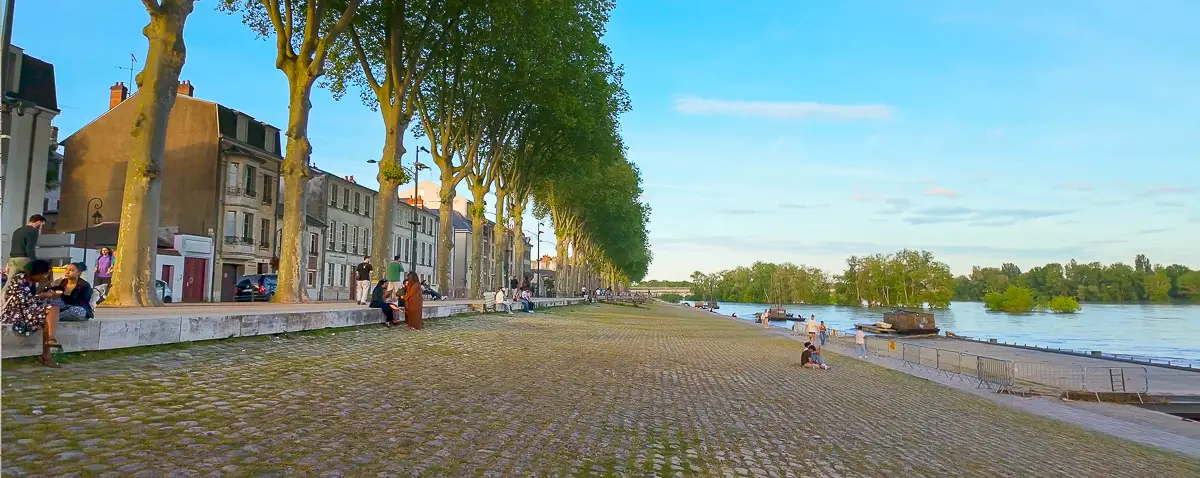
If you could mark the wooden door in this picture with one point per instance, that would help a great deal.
(229, 273)
(193, 279)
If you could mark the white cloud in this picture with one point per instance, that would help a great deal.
(781, 109)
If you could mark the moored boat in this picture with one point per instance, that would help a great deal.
(902, 322)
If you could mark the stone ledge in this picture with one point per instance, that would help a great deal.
(114, 333)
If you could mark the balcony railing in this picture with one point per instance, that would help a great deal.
(264, 245)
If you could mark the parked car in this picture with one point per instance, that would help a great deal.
(160, 288)
(255, 288)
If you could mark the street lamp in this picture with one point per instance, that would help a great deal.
(416, 199)
(95, 217)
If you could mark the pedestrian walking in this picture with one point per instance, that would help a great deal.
(413, 301)
(394, 274)
(860, 344)
(810, 327)
(27, 310)
(362, 277)
(822, 332)
(104, 266)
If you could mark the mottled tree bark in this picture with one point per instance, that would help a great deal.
(158, 83)
(446, 234)
(477, 229)
(294, 173)
(517, 211)
(499, 231)
(390, 177)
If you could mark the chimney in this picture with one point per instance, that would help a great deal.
(116, 94)
(186, 88)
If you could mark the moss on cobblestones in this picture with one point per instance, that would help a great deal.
(593, 391)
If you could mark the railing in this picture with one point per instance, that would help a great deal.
(1003, 375)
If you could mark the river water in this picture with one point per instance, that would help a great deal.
(1144, 331)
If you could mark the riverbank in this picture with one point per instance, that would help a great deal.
(1158, 333)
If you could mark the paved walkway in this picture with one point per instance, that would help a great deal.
(599, 390)
(224, 309)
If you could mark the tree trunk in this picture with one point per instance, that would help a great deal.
(294, 173)
(446, 231)
(517, 211)
(390, 177)
(499, 231)
(561, 281)
(477, 230)
(158, 83)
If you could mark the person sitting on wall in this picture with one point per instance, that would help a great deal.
(75, 301)
(379, 300)
(433, 294)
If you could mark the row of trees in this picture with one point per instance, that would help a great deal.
(907, 278)
(1094, 282)
(520, 99)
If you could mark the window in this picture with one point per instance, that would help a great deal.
(263, 233)
(269, 142)
(357, 200)
(367, 206)
(251, 180)
(342, 237)
(333, 195)
(312, 278)
(363, 242)
(328, 274)
(342, 270)
(243, 126)
(314, 244)
(406, 249)
(422, 261)
(330, 234)
(248, 228)
(231, 180)
(230, 224)
(353, 238)
(268, 189)
(346, 199)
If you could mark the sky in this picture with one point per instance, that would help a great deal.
(984, 132)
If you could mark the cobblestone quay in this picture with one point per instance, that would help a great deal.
(590, 390)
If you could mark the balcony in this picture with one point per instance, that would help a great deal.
(235, 196)
(238, 247)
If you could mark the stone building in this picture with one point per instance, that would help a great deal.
(29, 107)
(349, 209)
(220, 179)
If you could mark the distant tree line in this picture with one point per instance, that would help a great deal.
(662, 283)
(910, 278)
(1093, 282)
(905, 279)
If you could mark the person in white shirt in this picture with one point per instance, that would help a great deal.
(501, 301)
(810, 326)
(860, 344)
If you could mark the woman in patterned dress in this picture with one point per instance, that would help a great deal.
(26, 310)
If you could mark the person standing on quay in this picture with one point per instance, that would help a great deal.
(810, 327)
(822, 332)
(413, 298)
(104, 266)
(394, 276)
(860, 343)
(362, 277)
(24, 244)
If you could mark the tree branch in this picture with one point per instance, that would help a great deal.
(362, 61)
(152, 7)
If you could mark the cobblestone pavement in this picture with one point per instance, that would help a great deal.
(593, 390)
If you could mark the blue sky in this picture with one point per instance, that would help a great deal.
(1017, 131)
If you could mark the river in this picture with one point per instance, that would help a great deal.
(1144, 331)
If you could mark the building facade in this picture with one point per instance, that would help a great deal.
(425, 222)
(220, 179)
(29, 107)
(349, 209)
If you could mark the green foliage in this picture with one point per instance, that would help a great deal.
(672, 298)
(1063, 305)
(662, 283)
(1015, 299)
(1092, 282)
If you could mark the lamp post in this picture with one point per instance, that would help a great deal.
(417, 167)
(87, 224)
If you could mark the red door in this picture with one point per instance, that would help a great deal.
(193, 279)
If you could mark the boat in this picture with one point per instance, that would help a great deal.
(710, 305)
(902, 322)
(773, 314)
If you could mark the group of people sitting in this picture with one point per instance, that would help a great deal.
(524, 297)
(34, 301)
(392, 297)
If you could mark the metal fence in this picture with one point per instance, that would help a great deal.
(999, 374)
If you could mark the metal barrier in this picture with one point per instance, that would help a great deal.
(910, 354)
(994, 372)
(1061, 377)
(1115, 379)
(949, 363)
